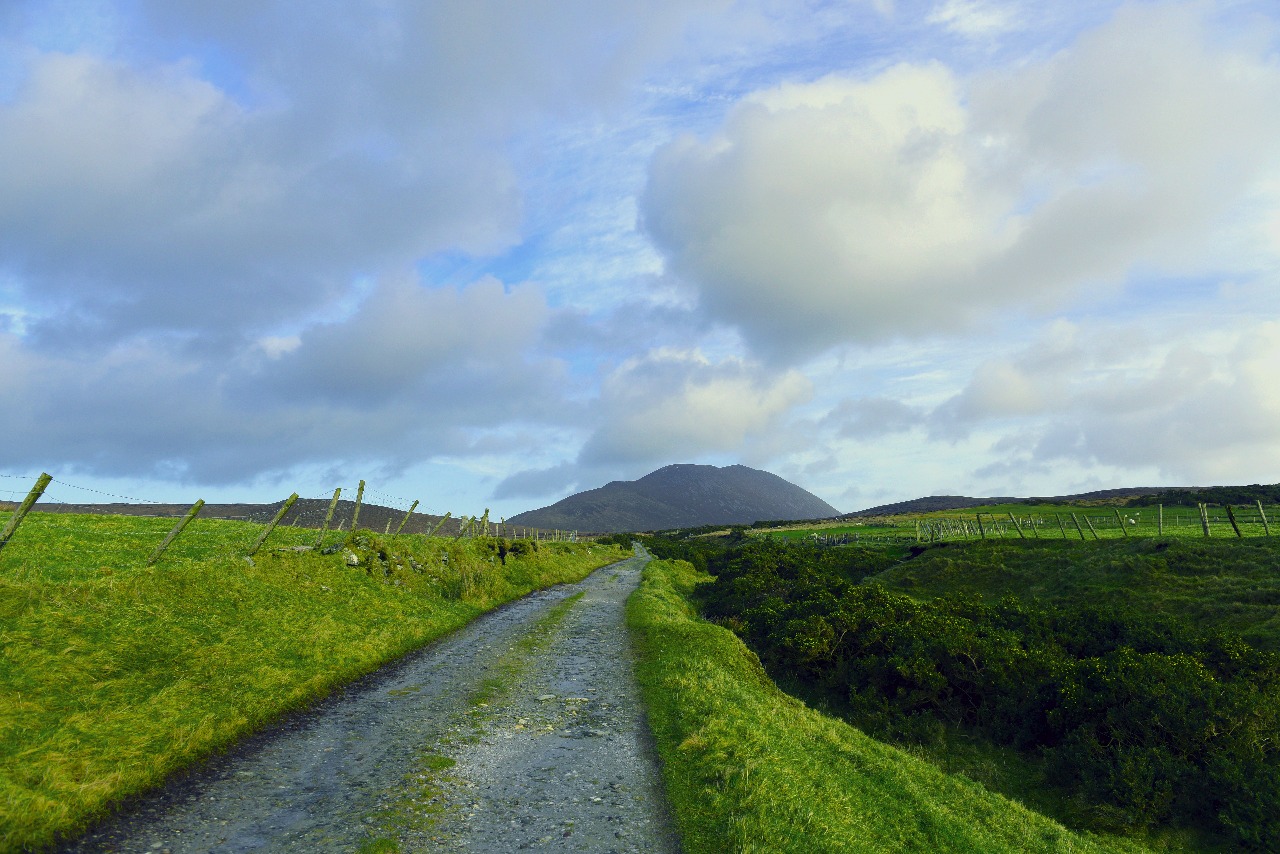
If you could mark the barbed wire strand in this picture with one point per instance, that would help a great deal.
(107, 494)
(397, 502)
(348, 494)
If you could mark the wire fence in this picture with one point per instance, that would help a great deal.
(382, 512)
(1084, 523)
(1204, 520)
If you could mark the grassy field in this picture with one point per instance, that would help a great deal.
(750, 769)
(114, 674)
(1042, 521)
(1224, 584)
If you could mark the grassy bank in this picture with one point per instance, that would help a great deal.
(748, 768)
(113, 675)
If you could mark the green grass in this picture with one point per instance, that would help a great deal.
(113, 675)
(895, 529)
(748, 768)
(1232, 585)
(1044, 521)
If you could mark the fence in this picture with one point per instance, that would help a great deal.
(1096, 523)
(1084, 522)
(293, 512)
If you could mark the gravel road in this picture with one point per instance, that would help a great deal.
(523, 731)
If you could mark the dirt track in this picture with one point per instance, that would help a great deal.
(522, 731)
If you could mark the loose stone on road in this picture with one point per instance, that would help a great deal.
(523, 731)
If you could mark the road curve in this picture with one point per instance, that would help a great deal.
(523, 731)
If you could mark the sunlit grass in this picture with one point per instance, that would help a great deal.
(114, 674)
(1044, 521)
(750, 769)
(1231, 585)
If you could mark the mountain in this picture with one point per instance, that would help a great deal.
(680, 496)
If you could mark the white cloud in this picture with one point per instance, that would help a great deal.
(538, 483)
(975, 18)
(150, 200)
(248, 182)
(1195, 408)
(826, 210)
(913, 202)
(871, 417)
(405, 332)
(677, 405)
(207, 211)
(413, 374)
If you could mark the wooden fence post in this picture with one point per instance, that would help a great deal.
(405, 519)
(484, 523)
(32, 497)
(1120, 519)
(177, 529)
(447, 514)
(1014, 520)
(1079, 530)
(1204, 518)
(1160, 520)
(981, 530)
(328, 517)
(1231, 517)
(1092, 530)
(355, 514)
(1263, 513)
(272, 525)
(1061, 526)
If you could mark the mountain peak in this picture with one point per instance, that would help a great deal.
(681, 495)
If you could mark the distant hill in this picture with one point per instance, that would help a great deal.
(1133, 496)
(681, 496)
(928, 505)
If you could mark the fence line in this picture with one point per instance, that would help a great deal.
(1087, 523)
(1214, 522)
(475, 527)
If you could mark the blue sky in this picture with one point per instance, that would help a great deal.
(486, 254)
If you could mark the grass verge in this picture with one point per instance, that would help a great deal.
(749, 769)
(113, 675)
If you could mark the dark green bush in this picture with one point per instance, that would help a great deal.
(519, 548)
(1153, 719)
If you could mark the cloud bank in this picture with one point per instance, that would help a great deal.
(504, 250)
(915, 202)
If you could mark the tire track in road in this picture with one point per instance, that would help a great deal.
(524, 730)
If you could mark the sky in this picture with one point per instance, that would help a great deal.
(488, 254)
